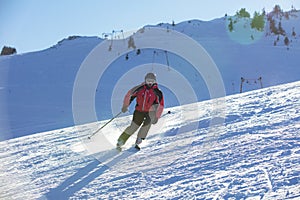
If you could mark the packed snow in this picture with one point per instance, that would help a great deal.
(254, 154)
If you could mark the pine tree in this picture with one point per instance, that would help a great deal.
(258, 21)
(243, 13)
(230, 25)
(280, 29)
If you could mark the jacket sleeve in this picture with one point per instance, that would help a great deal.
(130, 96)
(160, 106)
(126, 101)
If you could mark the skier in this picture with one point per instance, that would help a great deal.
(148, 109)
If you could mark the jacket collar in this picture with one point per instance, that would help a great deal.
(154, 86)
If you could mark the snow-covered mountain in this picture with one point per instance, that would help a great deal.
(254, 154)
(36, 88)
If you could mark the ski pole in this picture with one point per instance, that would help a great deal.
(89, 137)
(169, 112)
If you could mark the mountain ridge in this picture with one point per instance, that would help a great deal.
(27, 76)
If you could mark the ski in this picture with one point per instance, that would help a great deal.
(137, 147)
(119, 148)
(133, 148)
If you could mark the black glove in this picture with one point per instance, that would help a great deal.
(154, 120)
(124, 109)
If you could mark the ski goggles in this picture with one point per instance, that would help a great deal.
(150, 81)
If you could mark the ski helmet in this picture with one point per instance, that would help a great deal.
(150, 79)
(150, 76)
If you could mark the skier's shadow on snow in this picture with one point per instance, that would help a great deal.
(86, 175)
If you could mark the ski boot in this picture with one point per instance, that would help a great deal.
(137, 143)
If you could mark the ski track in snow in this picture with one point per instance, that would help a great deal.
(255, 154)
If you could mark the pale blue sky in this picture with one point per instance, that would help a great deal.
(31, 25)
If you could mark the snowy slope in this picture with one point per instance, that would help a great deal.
(254, 154)
(36, 88)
